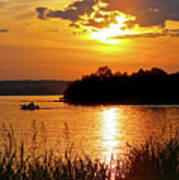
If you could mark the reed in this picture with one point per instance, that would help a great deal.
(150, 161)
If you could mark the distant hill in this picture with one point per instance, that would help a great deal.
(153, 86)
(32, 87)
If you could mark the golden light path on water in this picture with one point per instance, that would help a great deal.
(97, 131)
(109, 132)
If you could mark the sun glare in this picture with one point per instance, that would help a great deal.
(107, 35)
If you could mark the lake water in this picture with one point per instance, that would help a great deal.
(97, 131)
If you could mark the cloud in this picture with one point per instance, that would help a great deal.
(101, 20)
(42, 12)
(172, 30)
(147, 12)
(169, 33)
(77, 11)
(94, 15)
(143, 35)
(4, 30)
(72, 12)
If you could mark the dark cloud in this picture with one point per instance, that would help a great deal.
(147, 12)
(99, 25)
(148, 35)
(42, 12)
(4, 30)
(105, 22)
(172, 30)
(144, 35)
(72, 12)
(74, 25)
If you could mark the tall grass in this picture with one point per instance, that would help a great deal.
(151, 161)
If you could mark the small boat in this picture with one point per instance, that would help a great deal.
(30, 106)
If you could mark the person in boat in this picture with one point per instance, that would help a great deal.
(30, 106)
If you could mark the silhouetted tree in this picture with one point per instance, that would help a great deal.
(104, 71)
(153, 72)
(153, 86)
(158, 72)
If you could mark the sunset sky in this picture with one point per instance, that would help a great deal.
(64, 39)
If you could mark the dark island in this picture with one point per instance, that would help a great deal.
(153, 86)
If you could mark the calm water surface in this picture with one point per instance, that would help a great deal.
(97, 131)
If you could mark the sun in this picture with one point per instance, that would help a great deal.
(107, 35)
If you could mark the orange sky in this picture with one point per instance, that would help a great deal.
(68, 38)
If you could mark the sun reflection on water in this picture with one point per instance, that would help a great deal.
(109, 132)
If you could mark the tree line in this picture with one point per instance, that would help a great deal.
(153, 86)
